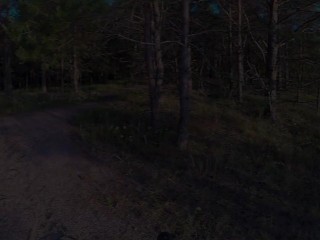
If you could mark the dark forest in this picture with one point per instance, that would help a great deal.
(159, 119)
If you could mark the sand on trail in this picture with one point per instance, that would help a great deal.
(51, 189)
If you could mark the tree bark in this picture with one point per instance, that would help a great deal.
(287, 69)
(27, 81)
(230, 48)
(318, 96)
(153, 57)
(240, 54)
(7, 65)
(272, 57)
(149, 60)
(44, 78)
(279, 77)
(158, 57)
(185, 78)
(301, 71)
(76, 70)
(157, 38)
(62, 74)
(32, 75)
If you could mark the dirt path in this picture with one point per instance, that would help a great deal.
(50, 189)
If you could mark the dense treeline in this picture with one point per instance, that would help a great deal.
(223, 49)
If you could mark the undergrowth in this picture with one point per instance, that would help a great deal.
(26, 101)
(243, 177)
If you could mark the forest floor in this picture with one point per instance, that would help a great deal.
(97, 171)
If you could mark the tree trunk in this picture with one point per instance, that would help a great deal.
(301, 71)
(153, 57)
(27, 81)
(201, 84)
(177, 67)
(44, 78)
(7, 66)
(158, 57)
(62, 74)
(185, 78)
(318, 95)
(272, 57)
(32, 75)
(240, 53)
(230, 53)
(286, 70)
(279, 77)
(149, 60)
(76, 70)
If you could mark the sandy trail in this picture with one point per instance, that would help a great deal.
(50, 189)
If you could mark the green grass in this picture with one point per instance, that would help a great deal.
(243, 177)
(26, 101)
